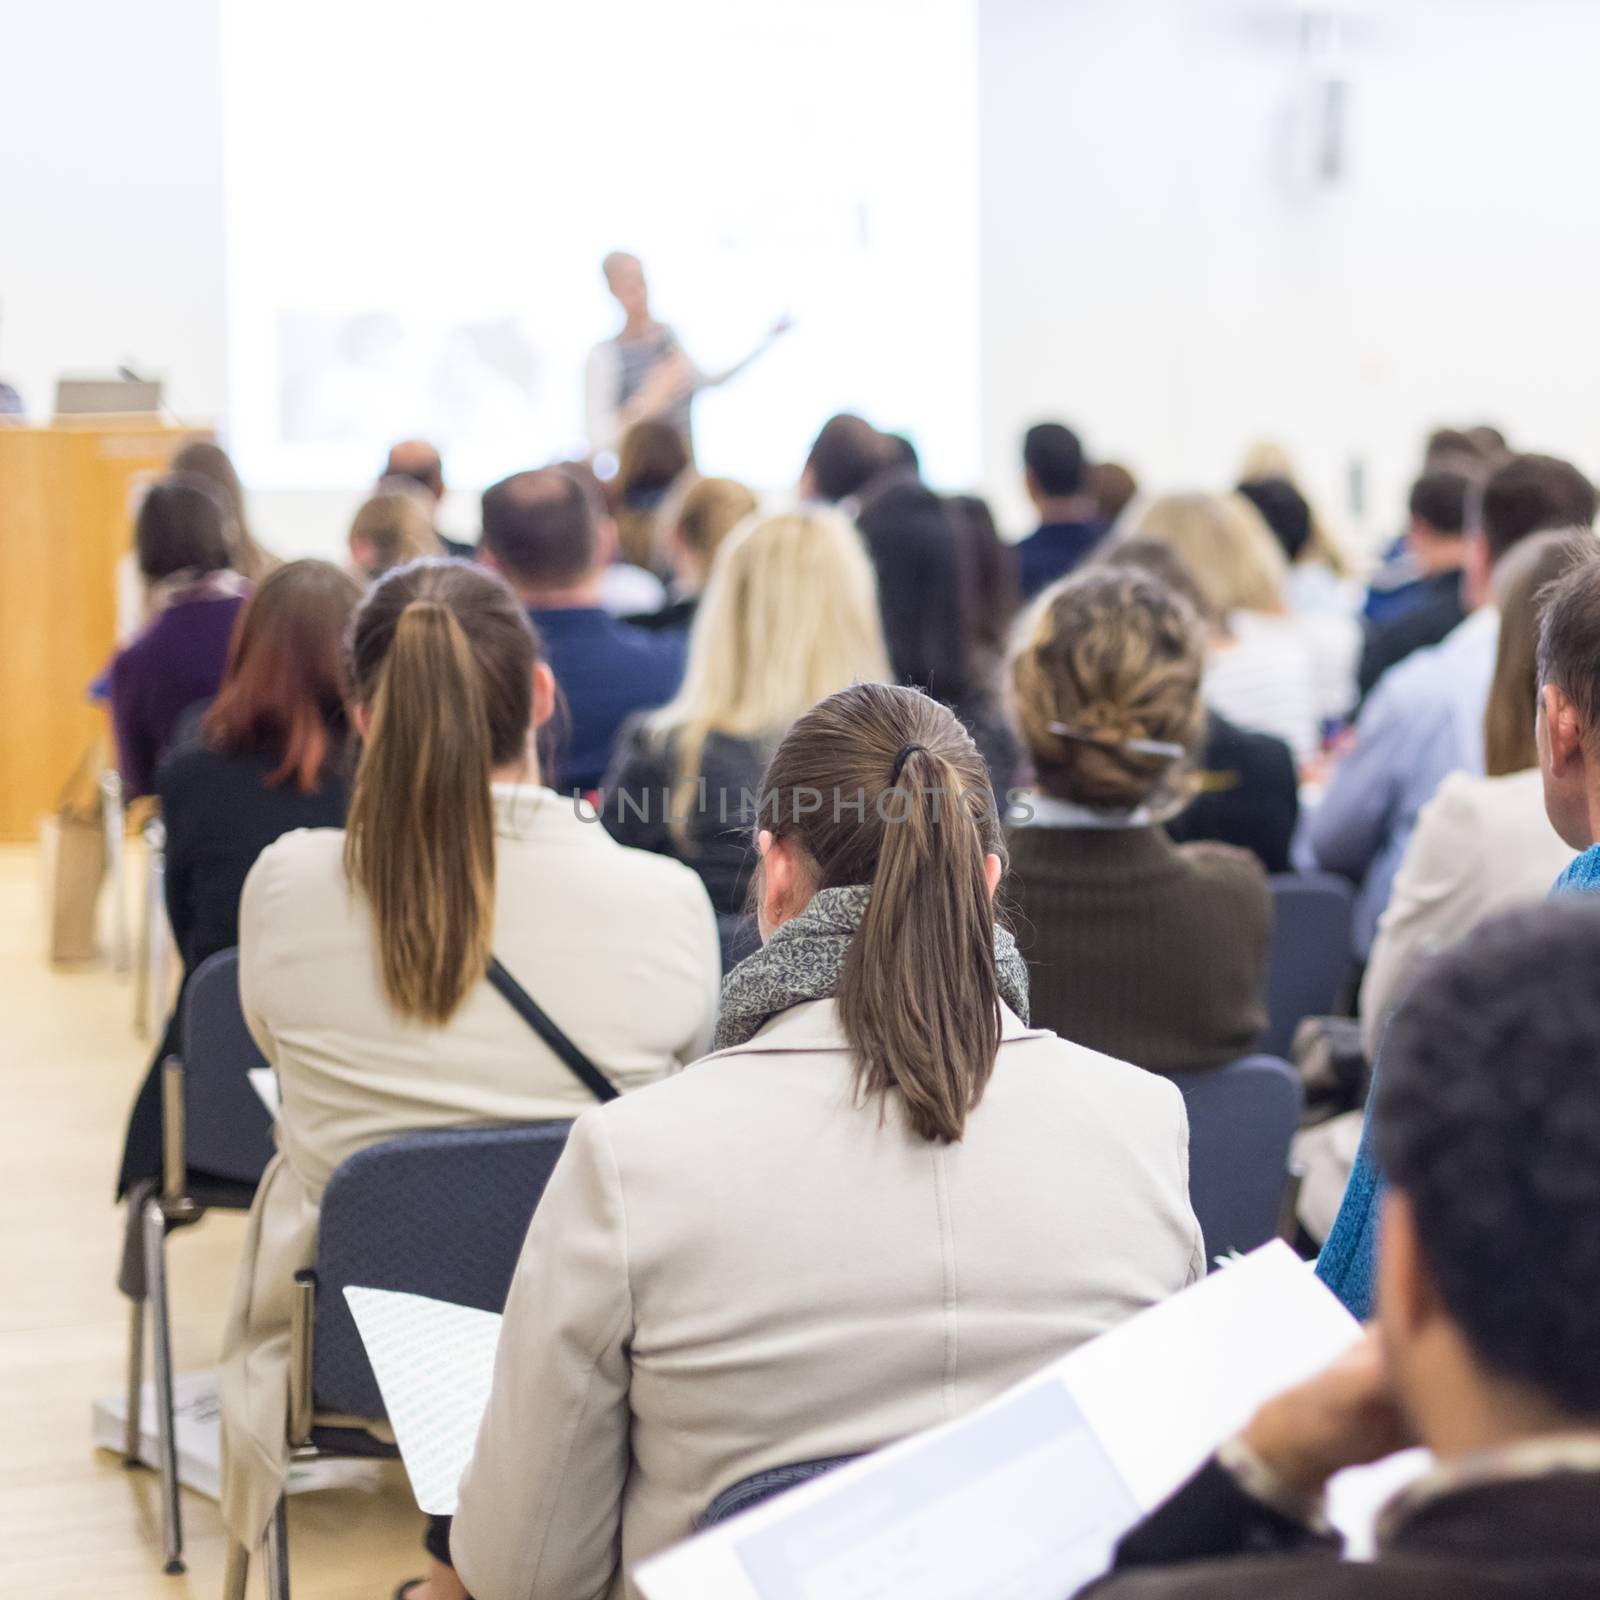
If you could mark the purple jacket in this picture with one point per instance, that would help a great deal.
(177, 660)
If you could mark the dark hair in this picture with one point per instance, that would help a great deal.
(1439, 499)
(442, 655)
(542, 528)
(846, 454)
(1053, 453)
(989, 581)
(204, 458)
(287, 681)
(1487, 1119)
(1569, 635)
(1533, 494)
(1161, 561)
(649, 459)
(1523, 580)
(1284, 509)
(182, 527)
(882, 786)
(1112, 486)
(901, 452)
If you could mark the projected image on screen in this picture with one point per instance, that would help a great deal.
(419, 204)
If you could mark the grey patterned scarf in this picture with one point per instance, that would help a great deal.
(803, 959)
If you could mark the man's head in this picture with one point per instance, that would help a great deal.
(1487, 1122)
(418, 461)
(1053, 465)
(624, 275)
(1565, 730)
(1437, 533)
(846, 455)
(544, 533)
(1529, 494)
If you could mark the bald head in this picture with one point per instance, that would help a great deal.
(419, 461)
(542, 530)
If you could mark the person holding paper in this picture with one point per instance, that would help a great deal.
(1487, 1125)
(881, 1201)
(365, 952)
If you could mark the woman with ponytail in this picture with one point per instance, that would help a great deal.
(364, 952)
(883, 1198)
(1150, 951)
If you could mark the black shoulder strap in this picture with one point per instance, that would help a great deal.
(531, 1012)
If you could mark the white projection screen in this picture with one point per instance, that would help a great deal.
(419, 197)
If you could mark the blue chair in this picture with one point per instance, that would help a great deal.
(1242, 1118)
(766, 1485)
(216, 1141)
(1310, 963)
(441, 1214)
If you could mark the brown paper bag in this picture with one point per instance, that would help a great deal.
(73, 845)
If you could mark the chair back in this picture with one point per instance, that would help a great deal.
(1310, 960)
(1242, 1118)
(761, 1486)
(441, 1214)
(227, 1130)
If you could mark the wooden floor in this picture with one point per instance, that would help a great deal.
(75, 1522)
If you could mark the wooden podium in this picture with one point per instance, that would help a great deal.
(67, 493)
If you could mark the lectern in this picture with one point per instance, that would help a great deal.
(67, 493)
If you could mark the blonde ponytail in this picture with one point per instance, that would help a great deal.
(442, 658)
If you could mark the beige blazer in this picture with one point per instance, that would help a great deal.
(1481, 845)
(619, 946)
(743, 1267)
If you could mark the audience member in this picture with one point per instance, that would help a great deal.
(653, 456)
(1057, 479)
(374, 1030)
(415, 461)
(544, 533)
(1568, 723)
(669, 1333)
(1114, 489)
(989, 584)
(390, 529)
(1245, 791)
(711, 508)
(1319, 577)
(1120, 922)
(1483, 843)
(1425, 719)
(790, 615)
(1436, 542)
(1259, 671)
(177, 659)
(625, 590)
(1488, 1124)
(202, 458)
(263, 760)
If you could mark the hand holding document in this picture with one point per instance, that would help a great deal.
(1023, 1499)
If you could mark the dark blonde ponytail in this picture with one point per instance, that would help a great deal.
(883, 786)
(438, 653)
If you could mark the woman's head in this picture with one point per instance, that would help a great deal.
(448, 686)
(182, 526)
(1105, 690)
(789, 614)
(201, 458)
(1226, 544)
(707, 514)
(287, 683)
(988, 576)
(389, 530)
(652, 455)
(881, 787)
(1521, 581)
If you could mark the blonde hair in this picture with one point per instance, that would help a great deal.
(397, 528)
(710, 510)
(1109, 663)
(789, 615)
(1266, 458)
(1226, 543)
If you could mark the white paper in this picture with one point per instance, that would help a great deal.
(265, 1083)
(1026, 1498)
(434, 1363)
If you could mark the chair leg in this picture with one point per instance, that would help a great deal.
(237, 1572)
(131, 1453)
(155, 1269)
(277, 1562)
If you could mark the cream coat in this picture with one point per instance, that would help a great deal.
(620, 947)
(743, 1267)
